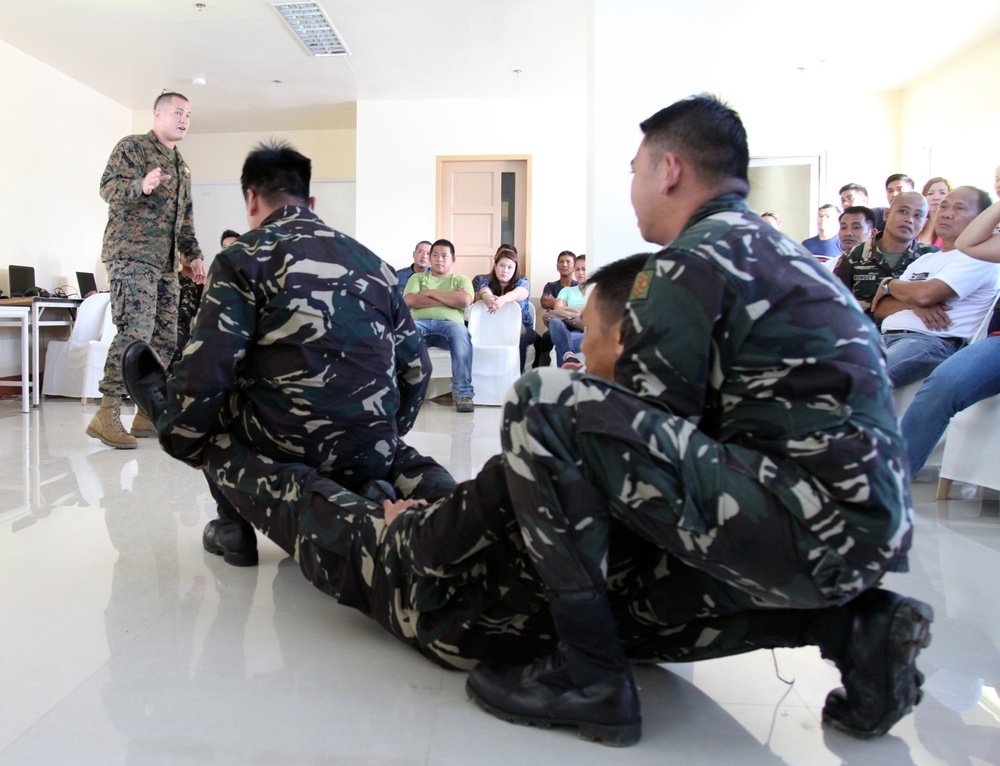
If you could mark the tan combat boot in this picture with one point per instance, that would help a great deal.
(142, 427)
(107, 425)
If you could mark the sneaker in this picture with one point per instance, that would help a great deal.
(464, 404)
(571, 362)
(878, 666)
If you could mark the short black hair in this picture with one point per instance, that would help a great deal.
(422, 242)
(227, 234)
(900, 177)
(828, 206)
(570, 253)
(867, 212)
(166, 96)
(707, 133)
(615, 281)
(277, 173)
(982, 198)
(853, 187)
(444, 243)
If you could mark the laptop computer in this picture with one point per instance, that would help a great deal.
(87, 282)
(21, 278)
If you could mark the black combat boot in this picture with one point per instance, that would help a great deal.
(877, 663)
(145, 379)
(231, 536)
(874, 641)
(587, 683)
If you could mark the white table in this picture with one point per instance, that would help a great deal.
(33, 313)
(14, 316)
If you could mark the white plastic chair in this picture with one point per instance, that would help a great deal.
(496, 362)
(69, 363)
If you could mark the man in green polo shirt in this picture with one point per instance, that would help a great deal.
(438, 300)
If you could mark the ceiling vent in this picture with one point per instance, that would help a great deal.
(311, 25)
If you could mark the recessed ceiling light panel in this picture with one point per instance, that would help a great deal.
(312, 26)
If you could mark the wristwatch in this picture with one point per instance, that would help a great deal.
(885, 285)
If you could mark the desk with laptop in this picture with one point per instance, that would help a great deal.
(29, 310)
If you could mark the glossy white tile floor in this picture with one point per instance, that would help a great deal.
(122, 642)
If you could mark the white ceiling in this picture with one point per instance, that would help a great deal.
(130, 50)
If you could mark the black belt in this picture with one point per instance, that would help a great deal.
(956, 342)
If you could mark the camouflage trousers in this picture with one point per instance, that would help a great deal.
(187, 307)
(695, 542)
(451, 579)
(144, 307)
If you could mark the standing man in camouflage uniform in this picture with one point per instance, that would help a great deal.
(147, 186)
(302, 351)
(749, 454)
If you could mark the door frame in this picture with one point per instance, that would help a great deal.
(439, 212)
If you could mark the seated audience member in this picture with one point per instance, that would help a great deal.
(438, 300)
(564, 266)
(505, 285)
(826, 244)
(772, 218)
(421, 263)
(969, 375)
(938, 303)
(330, 383)
(895, 185)
(934, 191)
(889, 252)
(564, 319)
(857, 224)
(853, 195)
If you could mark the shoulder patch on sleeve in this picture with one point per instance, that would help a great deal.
(640, 288)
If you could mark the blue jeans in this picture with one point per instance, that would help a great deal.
(912, 356)
(968, 376)
(454, 336)
(564, 340)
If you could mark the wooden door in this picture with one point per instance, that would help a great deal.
(482, 203)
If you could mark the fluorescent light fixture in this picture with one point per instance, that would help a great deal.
(312, 26)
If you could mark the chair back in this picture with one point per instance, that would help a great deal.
(500, 329)
(91, 318)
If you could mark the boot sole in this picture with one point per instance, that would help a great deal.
(620, 735)
(95, 434)
(235, 559)
(909, 632)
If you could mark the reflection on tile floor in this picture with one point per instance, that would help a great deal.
(122, 642)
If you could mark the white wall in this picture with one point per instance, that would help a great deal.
(399, 142)
(951, 120)
(55, 138)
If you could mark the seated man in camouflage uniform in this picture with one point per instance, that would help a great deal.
(889, 253)
(302, 350)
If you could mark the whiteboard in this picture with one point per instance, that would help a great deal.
(218, 205)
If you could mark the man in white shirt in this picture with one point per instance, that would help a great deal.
(937, 304)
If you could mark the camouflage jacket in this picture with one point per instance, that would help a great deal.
(740, 330)
(864, 268)
(149, 228)
(303, 348)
